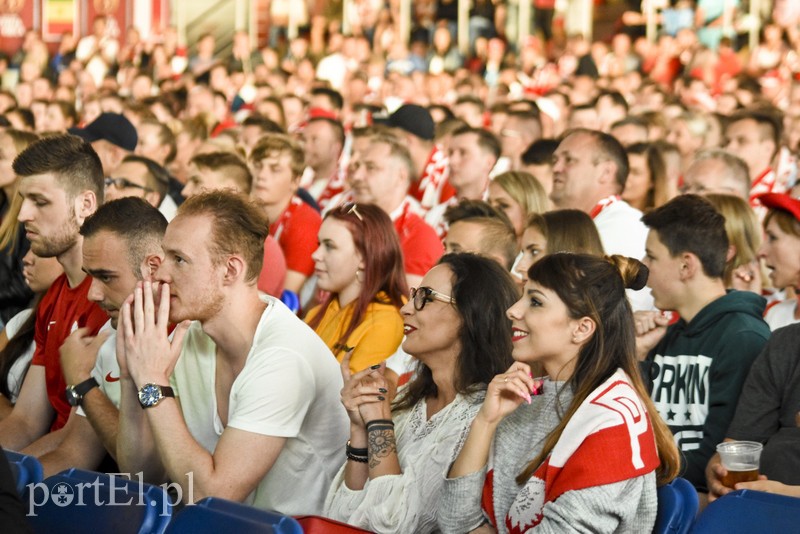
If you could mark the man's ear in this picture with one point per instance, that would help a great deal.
(731, 253)
(608, 172)
(152, 198)
(690, 266)
(235, 269)
(85, 205)
(150, 265)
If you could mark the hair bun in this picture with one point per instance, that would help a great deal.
(634, 273)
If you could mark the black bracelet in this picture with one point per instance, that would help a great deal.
(356, 458)
(355, 451)
(381, 422)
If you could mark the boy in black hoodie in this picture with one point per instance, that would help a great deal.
(695, 367)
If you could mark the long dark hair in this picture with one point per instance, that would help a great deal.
(595, 287)
(383, 271)
(482, 291)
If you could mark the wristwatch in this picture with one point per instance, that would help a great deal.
(76, 393)
(151, 394)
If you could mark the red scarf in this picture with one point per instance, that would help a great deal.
(609, 439)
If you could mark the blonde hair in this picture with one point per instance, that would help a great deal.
(279, 143)
(9, 229)
(525, 189)
(742, 228)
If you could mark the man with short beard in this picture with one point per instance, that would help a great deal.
(61, 184)
(241, 402)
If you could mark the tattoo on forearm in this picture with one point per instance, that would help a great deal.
(381, 443)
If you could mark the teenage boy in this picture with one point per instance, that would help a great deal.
(695, 367)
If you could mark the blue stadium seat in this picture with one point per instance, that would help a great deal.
(97, 502)
(677, 507)
(26, 470)
(749, 511)
(212, 515)
(291, 300)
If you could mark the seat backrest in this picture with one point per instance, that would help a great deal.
(314, 524)
(98, 502)
(677, 507)
(281, 523)
(750, 511)
(212, 515)
(26, 470)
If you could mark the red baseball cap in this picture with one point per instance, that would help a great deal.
(781, 201)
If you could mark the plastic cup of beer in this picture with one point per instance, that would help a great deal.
(741, 460)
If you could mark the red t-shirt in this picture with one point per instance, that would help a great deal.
(273, 271)
(296, 232)
(62, 311)
(421, 247)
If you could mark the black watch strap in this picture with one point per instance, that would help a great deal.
(86, 386)
(167, 391)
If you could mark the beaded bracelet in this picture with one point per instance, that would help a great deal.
(356, 458)
(356, 454)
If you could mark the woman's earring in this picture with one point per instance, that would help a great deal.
(360, 276)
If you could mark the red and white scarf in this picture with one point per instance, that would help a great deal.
(603, 204)
(609, 439)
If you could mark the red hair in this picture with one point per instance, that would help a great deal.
(383, 271)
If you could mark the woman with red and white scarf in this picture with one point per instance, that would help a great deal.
(582, 449)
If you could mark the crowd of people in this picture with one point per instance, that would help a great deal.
(400, 288)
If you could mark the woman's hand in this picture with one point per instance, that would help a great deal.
(506, 392)
(747, 277)
(376, 410)
(360, 389)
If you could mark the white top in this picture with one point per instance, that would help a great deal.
(106, 368)
(289, 387)
(781, 314)
(425, 449)
(622, 232)
(168, 208)
(20, 368)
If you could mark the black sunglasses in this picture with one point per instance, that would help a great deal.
(422, 295)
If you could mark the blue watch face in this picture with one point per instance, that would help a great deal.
(149, 395)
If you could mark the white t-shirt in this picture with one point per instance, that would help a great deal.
(106, 368)
(622, 232)
(289, 387)
(781, 314)
(20, 368)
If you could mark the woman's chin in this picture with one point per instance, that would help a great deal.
(521, 354)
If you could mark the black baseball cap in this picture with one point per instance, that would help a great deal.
(112, 127)
(411, 118)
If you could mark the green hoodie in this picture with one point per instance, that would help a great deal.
(696, 372)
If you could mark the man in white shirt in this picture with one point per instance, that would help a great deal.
(257, 418)
(590, 169)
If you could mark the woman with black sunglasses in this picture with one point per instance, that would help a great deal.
(398, 453)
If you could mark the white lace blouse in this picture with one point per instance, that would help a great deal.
(425, 448)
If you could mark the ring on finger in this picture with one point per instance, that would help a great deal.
(505, 379)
